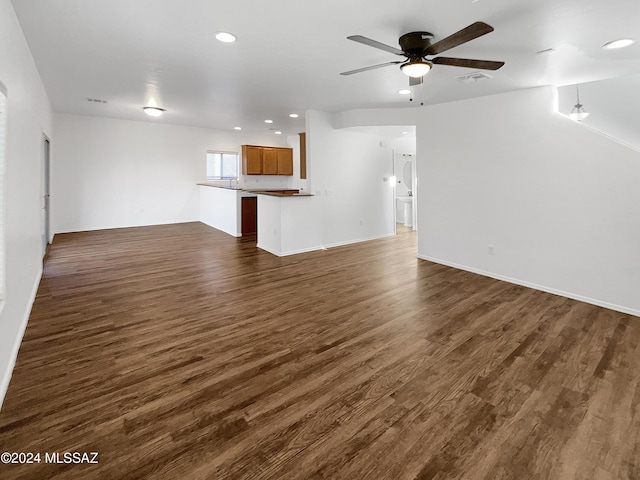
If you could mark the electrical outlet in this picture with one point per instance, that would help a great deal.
(491, 249)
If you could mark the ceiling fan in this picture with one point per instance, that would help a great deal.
(416, 46)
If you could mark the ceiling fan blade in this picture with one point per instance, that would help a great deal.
(466, 62)
(413, 81)
(465, 35)
(375, 44)
(372, 67)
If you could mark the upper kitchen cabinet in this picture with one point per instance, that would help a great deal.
(270, 161)
(251, 160)
(285, 161)
(258, 160)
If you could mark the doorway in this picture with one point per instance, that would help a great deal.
(46, 195)
(405, 192)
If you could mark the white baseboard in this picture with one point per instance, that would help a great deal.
(358, 240)
(290, 252)
(116, 227)
(324, 247)
(543, 288)
(228, 232)
(6, 376)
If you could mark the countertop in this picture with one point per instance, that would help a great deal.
(281, 194)
(274, 192)
(226, 187)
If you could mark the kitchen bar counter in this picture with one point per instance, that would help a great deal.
(221, 207)
(284, 227)
(287, 227)
(281, 194)
(275, 192)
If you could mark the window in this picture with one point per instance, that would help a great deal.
(222, 165)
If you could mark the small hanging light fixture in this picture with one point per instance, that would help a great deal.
(578, 113)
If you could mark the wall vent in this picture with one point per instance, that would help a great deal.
(473, 77)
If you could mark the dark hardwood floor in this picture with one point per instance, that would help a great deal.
(179, 352)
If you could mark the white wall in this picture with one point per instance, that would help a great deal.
(346, 171)
(29, 117)
(558, 201)
(383, 117)
(112, 173)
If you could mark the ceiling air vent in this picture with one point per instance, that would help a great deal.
(474, 77)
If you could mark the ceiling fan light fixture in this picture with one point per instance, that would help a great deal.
(416, 68)
(153, 111)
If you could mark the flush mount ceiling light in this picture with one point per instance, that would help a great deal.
(226, 37)
(153, 111)
(278, 132)
(268, 121)
(294, 115)
(416, 67)
(237, 128)
(623, 42)
(404, 92)
(578, 113)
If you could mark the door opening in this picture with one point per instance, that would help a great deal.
(46, 196)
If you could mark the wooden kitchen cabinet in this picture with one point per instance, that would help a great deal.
(257, 160)
(303, 155)
(251, 160)
(285, 161)
(249, 215)
(270, 161)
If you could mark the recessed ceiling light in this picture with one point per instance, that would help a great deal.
(623, 42)
(278, 132)
(294, 115)
(226, 37)
(405, 133)
(406, 91)
(237, 128)
(268, 121)
(153, 111)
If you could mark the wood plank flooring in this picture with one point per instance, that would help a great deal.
(179, 352)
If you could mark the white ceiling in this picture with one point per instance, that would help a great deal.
(289, 53)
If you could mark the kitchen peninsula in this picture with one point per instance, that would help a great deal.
(286, 219)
